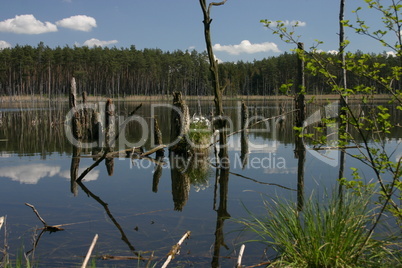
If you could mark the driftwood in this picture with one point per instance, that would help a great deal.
(175, 249)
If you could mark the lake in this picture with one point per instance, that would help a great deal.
(140, 206)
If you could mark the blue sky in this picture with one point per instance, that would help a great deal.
(237, 33)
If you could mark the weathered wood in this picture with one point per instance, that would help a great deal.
(50, 228)
(86, 117)
(73, 94)
(300, 150)
(76, 119)
(96, 126)
(180, 124)
(300, 104)
(110, 123)
(77, 127)
(240, 257)
(156, 149)
(74, 168)
(244, 115)
(175, 249)
(158, 138)
(218, 90)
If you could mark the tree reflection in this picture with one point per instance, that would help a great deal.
(107, 210)
(222, 177)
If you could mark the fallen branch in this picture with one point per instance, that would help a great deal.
(50, 228)
(157, 148)
(175, 249)
(125, 258)
(91, 248)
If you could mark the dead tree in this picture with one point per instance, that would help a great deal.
(218, 89)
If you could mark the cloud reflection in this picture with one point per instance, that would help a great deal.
(31, 174)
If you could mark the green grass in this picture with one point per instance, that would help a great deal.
(327, 233)
(200, 134)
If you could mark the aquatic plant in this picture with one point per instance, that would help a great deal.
(200, 133)
(327, 233)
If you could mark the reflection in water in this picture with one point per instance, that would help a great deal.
(157, 174)
(75, 165)
(29, 174)
(180, 180)
(106, 207)
(244, 148)
(187, 172)
(222, 177)
(300, 154)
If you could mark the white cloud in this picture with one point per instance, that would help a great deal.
(288, 23)
(96, 42)
(247, 47)
(390, 54)
(4, 44)
(79, 23)
(29, 174)
(26, 24)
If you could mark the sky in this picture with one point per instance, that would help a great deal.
(236, 31)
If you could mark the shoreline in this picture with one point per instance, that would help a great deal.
(27, 99)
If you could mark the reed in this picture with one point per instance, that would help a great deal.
(327, 233)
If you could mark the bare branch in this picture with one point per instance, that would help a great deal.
(215, 4)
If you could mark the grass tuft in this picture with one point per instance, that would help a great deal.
(327, 233)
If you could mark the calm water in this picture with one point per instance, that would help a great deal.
(142, 207)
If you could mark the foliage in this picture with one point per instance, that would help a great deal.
(327, 233)
(365, 126)
(369, 126)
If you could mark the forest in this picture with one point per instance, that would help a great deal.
(118, 72)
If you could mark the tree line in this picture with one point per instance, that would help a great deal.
(40, 70)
